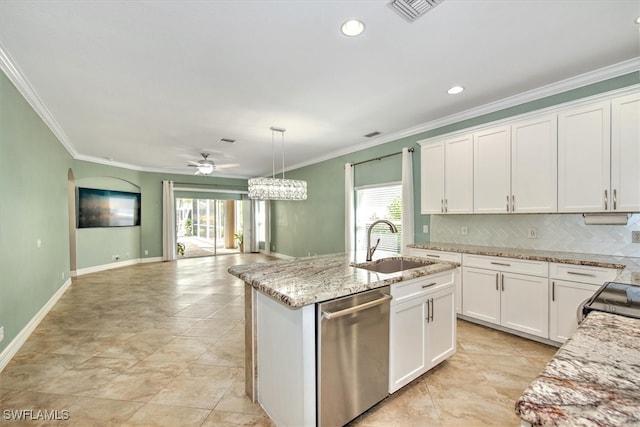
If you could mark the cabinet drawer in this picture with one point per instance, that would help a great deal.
(405, 290)
(512, 265)
(582, 273)
(436, 255)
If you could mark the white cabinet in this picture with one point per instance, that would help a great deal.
(584, 159)
(534, 167)
(571, 285)
(446, 175)
(509, 292)
(515, 167)
(447, 257)
(492, 170)
(422, 327)
(625, 153)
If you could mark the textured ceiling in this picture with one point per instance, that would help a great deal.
(151, 84)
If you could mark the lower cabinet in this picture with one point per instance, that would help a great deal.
(448, 257)
(512, 300)
(422, 328)
(566, 299)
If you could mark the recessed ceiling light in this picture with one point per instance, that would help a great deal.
(352, 28)
(455, 90)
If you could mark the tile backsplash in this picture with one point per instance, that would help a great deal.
(556, 232)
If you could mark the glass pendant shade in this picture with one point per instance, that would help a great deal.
(277, 188)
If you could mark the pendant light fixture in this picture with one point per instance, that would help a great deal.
(277, 188)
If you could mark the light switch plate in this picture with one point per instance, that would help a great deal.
(1, 333)
(635, 237)
(425, 229)
(464, 230)
(532, 233)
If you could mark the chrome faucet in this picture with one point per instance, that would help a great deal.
(371, 250)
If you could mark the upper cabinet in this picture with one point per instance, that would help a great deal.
(625, 153)
(447, 175)
(515, 167)
(584, 159)
(598, 157)
(534, 167)
(492, 170)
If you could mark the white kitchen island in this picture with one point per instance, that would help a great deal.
(280, 324)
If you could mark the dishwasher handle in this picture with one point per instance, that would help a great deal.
(335, 314)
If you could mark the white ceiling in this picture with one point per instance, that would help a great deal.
(151, 84)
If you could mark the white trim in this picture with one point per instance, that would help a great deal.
(281, 256)
(15, 345)
(615, 70)
(605, 96)
(380, 185)
(103, 267)
(148, 260)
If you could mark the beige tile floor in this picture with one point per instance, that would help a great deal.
(162, 345)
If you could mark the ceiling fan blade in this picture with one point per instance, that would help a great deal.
(194, 163)
(227, 165)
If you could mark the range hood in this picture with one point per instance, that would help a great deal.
(606, 218)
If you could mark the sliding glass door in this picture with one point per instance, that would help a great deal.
(208, 227)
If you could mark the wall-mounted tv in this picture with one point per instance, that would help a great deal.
(107, 208)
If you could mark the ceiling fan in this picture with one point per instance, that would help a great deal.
(206, 167)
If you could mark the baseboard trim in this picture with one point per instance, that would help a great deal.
(509, 330)
(15, 345)
(112, 265)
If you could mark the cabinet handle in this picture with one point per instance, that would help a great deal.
(497, 288)
(430, 284)
(501, 263)
(442, 205)
(507, 203)
(432, 309)
(433, 256)
(553, 291)
(502, 281)
(606, 200)
(581, 274)
(428, 311)
(513, 203)
(615, 200)
(446, 205)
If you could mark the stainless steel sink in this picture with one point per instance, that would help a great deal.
(393, 264)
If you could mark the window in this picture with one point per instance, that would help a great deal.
(374, 203)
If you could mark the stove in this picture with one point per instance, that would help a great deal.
(616, 298)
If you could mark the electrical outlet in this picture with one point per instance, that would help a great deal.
(146, 251)
(116, 257)
(1, 333)
(464, 230)
(532, 233)
(63, 275)
(635, 237)
(425, 229)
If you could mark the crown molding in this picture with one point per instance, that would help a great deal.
(17, 77)
(575, 82)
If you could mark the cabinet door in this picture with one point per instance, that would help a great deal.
(407, 347)
(534, 168)
(480, 294)
(432, 178)
(459, 174)
(625, 153)
(584, 159)
(525, 303)
(441, 326)
(492, 170)
(566, 298)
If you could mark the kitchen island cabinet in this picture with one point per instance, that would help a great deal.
(281, 299)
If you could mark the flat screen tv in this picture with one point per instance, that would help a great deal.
(107, 208)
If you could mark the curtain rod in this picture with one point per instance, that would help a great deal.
(380, 158)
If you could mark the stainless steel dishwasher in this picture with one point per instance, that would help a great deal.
(352, 355)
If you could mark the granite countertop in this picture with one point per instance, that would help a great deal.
(630, 266)
(592, 380)
(303, 281)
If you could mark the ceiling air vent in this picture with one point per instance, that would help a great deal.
(372, 134)
(413, 9)
(227, 140)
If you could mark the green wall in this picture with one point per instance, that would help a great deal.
(316, 226)
(33, 206)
